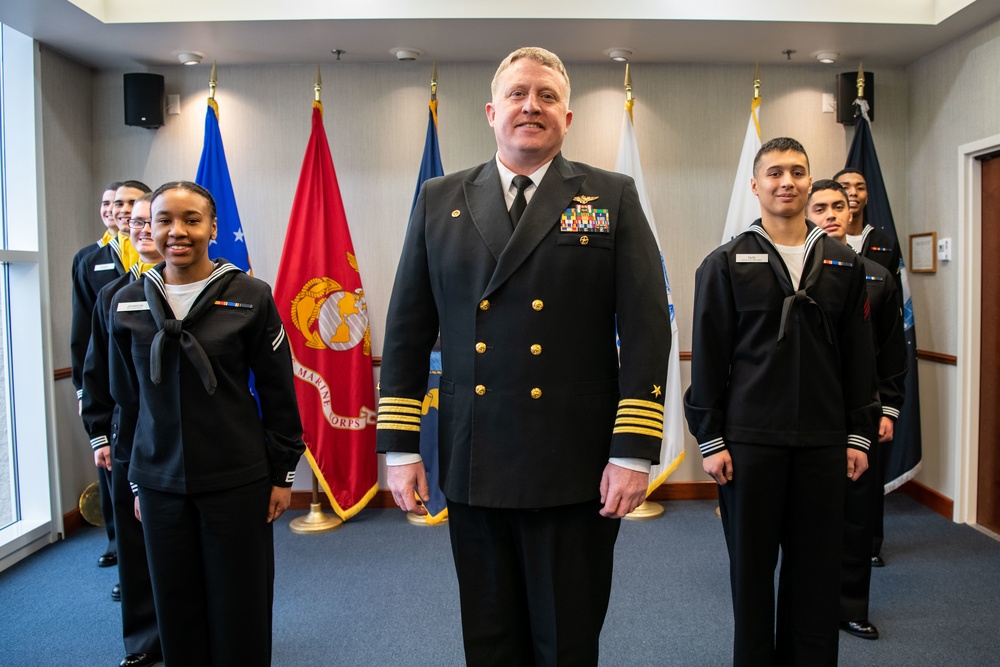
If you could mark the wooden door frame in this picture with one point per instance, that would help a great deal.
(970, 192)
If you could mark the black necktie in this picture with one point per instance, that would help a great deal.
(520, 202)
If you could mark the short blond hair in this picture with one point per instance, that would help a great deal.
(539, 55)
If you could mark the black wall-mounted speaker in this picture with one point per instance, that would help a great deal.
(144, 100)
(847, 92)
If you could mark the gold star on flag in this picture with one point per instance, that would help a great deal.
(656, 390)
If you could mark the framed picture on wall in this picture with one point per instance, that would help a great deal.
(923, 253)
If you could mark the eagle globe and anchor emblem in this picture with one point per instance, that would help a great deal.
(330, 317)
(342, 316)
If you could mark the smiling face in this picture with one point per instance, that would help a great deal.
(142, 237)
(781, 182)
(183, 227)
(107, 214)
(529, 115)
(857, 191)
(828, 209)
(125, 198)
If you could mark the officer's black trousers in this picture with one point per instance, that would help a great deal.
(534, 584)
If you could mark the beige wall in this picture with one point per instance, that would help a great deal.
(71, 203)
(954, 98)
(689, 121)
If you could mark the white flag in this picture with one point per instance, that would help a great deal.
(743, 205)
(672, 448)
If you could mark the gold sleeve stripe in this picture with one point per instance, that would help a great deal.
(399, 419)
(395, 400)
(638, 403)
(397, 427)
(639, 431)
(648, 414)
(395, 409)
(640, 422)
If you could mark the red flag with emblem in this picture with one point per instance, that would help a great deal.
(322, 303)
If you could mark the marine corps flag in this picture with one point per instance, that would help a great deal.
(322, 304)
(744, 207)
(672, 447)
(213, 175)
(437, 506)
(905, 450)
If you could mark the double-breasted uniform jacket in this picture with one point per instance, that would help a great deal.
(891, 361)
(534, 395)
(774, 365)
(185, 382)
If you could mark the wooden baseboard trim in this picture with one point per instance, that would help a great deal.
(937, 357)
(686, 491)
(930, 499)
(668, 491)
(72, 522)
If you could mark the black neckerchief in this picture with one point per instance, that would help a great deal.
(811, 270)
(170, 327)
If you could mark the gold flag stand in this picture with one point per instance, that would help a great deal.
(317, 521)
(647, 510)
(418, 520)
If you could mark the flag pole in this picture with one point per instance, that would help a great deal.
(421, 520)
(317, 521)
(647, 509)
(213, 81)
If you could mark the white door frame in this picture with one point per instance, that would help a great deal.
(966, 475)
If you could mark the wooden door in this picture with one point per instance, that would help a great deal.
(988, 500)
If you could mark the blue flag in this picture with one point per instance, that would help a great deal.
(437, 506)
(905, 451)
(213, 175)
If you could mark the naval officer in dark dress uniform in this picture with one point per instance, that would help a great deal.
(529, 265)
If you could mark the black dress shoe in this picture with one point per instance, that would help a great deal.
(116, 593)
(107, 560)
(862, 629)
(878, 561)
(140, 660)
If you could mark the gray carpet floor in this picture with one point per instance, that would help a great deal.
(381, 592)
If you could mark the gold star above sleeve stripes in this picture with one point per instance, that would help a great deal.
(399, 414)
(639, 417)
(656, 390)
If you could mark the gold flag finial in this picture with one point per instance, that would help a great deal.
(628, 84)
(318, 86)
(213, 81)
(434, 81)
(861, 79)
(756, 81)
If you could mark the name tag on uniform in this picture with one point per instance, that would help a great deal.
(129, 306)
(104, 267)
(747, 258)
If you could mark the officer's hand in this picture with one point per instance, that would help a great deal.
(622, 490)
(857, 463)
(102, 457)
(408, 484)
(138, 514)
(281, 498)
(885, 429)
(719, 466)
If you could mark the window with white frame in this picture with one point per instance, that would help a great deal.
(26, 501)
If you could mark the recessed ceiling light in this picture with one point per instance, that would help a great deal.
(406, 53)
(827, 57)
(618, 54)
(189, 57)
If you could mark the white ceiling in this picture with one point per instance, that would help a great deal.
(674, 31)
